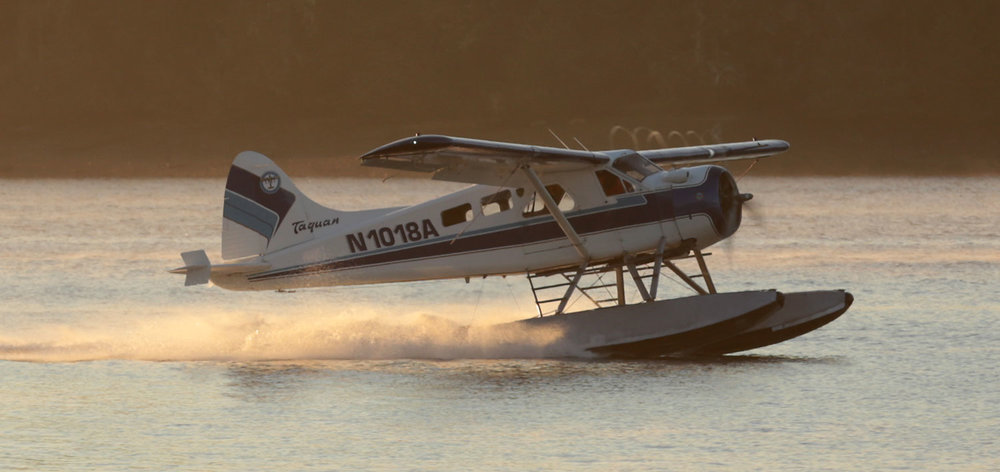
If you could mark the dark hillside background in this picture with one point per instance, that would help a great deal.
(177, 88)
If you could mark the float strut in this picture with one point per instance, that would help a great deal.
(620, 282)
(638, 280)
(704, 270)
(685, 278)
(569, 290)
(655, 282)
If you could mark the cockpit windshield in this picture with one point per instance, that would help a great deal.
(635, 166)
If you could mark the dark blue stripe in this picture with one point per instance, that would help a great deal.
(247, 184)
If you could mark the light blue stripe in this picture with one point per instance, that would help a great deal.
(250, 214)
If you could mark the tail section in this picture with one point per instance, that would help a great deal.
(264, 211)
(199, 270)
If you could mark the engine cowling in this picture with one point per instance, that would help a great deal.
(705, 191)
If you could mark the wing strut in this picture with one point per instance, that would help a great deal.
(556, 213)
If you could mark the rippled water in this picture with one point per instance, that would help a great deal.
(107, 362)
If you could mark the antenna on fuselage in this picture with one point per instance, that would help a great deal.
(554, 135)
(581, 144)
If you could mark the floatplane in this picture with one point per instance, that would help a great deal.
(580, 224)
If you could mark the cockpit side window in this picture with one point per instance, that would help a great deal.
(536, 204)
(612, 184)
(636, 166)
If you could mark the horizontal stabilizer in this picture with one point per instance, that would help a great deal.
(197, 267)
(199, 270)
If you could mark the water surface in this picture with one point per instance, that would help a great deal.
(110, 363)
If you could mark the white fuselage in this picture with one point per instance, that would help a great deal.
(486, 230)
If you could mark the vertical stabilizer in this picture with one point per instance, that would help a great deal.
(264, 211)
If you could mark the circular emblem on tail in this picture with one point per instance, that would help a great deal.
(270, 182)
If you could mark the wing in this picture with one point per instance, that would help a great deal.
(477, 161)
(715, 152)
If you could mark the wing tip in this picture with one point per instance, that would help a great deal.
(412, 144)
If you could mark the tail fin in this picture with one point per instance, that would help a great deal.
(264, 211)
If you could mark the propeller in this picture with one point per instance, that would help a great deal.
(751, 210)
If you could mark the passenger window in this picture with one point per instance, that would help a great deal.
(493, 204)
(459, 214)
(611, 184)
(536, 204)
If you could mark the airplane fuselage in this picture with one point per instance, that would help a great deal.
(488, 230)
